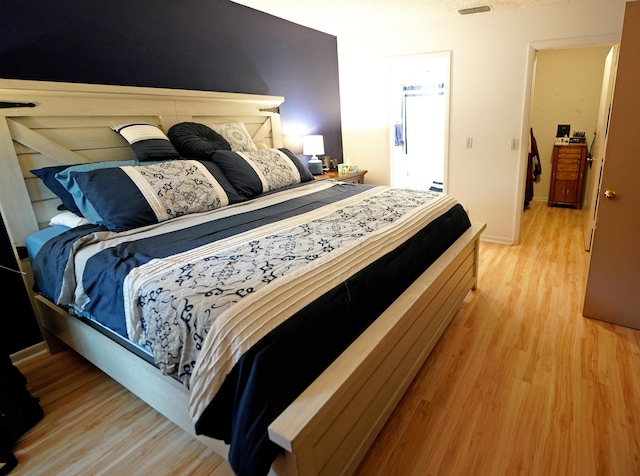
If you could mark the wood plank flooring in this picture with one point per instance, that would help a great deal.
(520, 384)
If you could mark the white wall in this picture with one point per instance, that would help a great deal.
(492, 63)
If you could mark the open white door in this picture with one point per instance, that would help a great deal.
(596, 162)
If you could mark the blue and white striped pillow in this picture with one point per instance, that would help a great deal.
(132, 196)
(147, 141)
(254, 172)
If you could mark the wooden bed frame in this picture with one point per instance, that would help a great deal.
(328, 429)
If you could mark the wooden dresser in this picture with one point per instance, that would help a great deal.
(567, 175)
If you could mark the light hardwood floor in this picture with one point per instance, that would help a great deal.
(520, 383)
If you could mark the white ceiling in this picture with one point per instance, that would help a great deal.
(338, 17)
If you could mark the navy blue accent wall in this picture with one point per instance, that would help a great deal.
(213, 45)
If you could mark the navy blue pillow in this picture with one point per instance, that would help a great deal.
(218, 173)
(56, 178)
(305, 173)
(48, 177)
(133, 196)
(263, 170)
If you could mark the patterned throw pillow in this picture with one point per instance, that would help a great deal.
(132, 196)
(259, 171)
(236, 135)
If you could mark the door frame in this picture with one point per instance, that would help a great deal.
(396, 60)
(533, 48)
(600, 146)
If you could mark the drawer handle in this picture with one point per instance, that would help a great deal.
(609, 194)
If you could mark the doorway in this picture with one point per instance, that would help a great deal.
(420, 120)
(566, 88)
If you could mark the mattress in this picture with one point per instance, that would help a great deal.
(247, 304)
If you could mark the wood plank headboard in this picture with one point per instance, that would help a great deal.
(46, 123)
(65, 123)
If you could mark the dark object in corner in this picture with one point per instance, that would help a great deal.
(19, 411)
(534, 169)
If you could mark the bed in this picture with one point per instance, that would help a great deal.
(323, 310)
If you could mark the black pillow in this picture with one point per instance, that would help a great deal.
(196, 141)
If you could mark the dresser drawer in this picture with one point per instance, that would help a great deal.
(568, 167)
(567, 175)
(568, 160)
(570, 153)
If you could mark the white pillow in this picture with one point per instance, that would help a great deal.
(69, 219)
(236, 135)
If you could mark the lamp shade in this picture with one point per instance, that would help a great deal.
(312, 145)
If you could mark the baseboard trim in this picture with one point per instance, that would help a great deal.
(29, 352)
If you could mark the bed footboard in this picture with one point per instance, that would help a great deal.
(329, 428)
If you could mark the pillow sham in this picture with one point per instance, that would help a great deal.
(48, 177)
(133, 196)
(260, 171)
(236, 135)
(54, 178)
(147, 141)
(196, 141)
(80, 203)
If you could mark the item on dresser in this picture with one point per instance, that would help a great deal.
(315, 166)
(578, 137)
(346, 169)
(563, 130)
(313, 145)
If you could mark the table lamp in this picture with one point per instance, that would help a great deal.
(313, 145)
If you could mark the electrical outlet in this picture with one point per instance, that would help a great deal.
(515, 144)
(469, 142)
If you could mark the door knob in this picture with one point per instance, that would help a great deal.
(609, 194)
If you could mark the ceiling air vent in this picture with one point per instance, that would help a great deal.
(469, 11)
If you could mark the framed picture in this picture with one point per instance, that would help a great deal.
(563, 130)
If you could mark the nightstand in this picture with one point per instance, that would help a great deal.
(357, 177)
